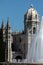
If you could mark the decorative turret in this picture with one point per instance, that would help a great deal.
(3, 30)
(31, 18)
(2, 24)
(9, 42)
(8, 24)
(32, 14)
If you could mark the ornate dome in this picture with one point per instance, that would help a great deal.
(31, 14)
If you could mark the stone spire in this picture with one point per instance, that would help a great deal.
(8, 23)
(9, 42)
(2, 24)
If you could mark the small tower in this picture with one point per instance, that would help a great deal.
(31, 24)
(8, 42)
(2, 24)
(31, 20)
(3, 30)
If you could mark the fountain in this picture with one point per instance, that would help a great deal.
(35, 52)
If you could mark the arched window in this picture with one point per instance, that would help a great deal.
(20, 39)
(18, 58)
(36, 16)
(30, 17)
(34, 30)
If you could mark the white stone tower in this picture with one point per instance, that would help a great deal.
(31, 24)
(8, 43)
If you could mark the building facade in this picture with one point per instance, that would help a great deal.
(18, 43)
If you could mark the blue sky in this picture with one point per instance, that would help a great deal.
(15, 10)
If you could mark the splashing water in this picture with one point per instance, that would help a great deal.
(35, 52)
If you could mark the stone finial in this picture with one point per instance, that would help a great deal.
(31, 6)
